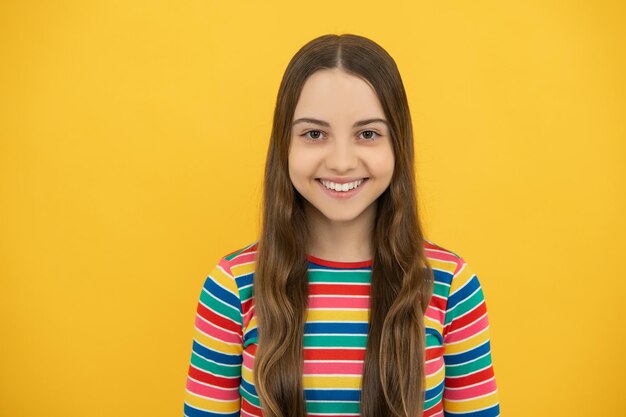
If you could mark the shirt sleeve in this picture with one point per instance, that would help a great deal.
(214, 373)
(470, 386)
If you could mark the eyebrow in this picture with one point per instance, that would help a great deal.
(326, 124)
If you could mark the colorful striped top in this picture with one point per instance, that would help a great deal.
(459, 372)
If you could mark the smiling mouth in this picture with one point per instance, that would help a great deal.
(341, 187)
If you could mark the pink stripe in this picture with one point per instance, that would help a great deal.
(437, 315)
(485, 388)
(248, 308)
(216, 332)
(330, 368)
(248, 360)
(445, 256)
(441, 255)
(432, 367)
(212, 392)
(471, 330)
(244, 258)
(225, 266)
(339, 302)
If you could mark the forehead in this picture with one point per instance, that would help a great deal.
(333, 94)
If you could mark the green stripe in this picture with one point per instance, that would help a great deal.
(466, 305)
(245, 293)
(431, 340)
(468, 368)
(249, 397)
(363, 277)
(433, 401)
(251, 341)
(332, 407)
(221, 370)
(234, 254)
(219, 307)
(441, 290)
(311, 341)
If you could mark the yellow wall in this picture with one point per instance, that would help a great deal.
(133, 137)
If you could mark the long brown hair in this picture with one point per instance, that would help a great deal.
(393, 379)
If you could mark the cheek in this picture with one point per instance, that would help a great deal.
(298, 166)
(382, 163)
(303, 162)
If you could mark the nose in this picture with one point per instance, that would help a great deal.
(342, 156)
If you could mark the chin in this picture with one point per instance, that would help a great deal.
(342, 218)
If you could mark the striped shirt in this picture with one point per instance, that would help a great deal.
(459, 372)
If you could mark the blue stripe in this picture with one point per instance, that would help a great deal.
(463, 293)
(194, 412)
(488, 412)
(332, 394)
(434, 332)
(222, 294)
(335, 328)
(248, 387)
(434, 391)
(216, 356)
(442, 276)
(250, 334)
(244, 280)
(470, 355)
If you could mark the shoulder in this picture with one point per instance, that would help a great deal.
(238, 265)
(231, 277)
(241, 260)
(443, 260)
(449, 268)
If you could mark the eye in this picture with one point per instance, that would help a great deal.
(315, 135)
(369, 135)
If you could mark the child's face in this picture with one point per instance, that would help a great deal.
(338, 148)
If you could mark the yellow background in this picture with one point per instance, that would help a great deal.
(133, 137)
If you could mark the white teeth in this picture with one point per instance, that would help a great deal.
(341, 187)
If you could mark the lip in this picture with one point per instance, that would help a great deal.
(338, 180)
(341, 195)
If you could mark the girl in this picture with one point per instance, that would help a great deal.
(342, 307)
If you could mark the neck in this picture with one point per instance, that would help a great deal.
(341, 241)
